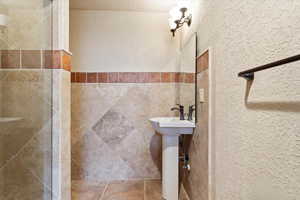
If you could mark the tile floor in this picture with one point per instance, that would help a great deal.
(121, 190)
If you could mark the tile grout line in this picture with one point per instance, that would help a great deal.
(49, 188)
(42, 60)
(18, 153)
(105, 189)
(144, 189)
(20, 59)
(20, 150)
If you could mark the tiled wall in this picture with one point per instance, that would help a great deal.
(112, 138)
(35, 150)
(118, 190)
(25, 144)
(35, 59)
(29, 25)
(132, 77)
(39, 96)
(196, 181)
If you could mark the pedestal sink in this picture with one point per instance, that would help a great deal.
(171, 128)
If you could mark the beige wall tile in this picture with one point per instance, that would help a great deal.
(82, 190)
(110, 124)
(153, 190)
(131, 190)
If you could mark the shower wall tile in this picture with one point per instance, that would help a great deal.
(34, 59)
(29, 24)
(11, 59)
(24, 92)
(57, 59)
(31, 59)
(25, 145)
(112, 138)
(19, 183)
(52, 59)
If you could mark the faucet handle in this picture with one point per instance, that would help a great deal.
(179, 105)
(191, 110)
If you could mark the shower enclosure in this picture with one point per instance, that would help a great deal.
(25, 100)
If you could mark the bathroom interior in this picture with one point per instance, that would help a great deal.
(149, 100)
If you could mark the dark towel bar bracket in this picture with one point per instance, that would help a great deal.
(249, 74)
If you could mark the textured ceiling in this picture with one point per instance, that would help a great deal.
(126, 5)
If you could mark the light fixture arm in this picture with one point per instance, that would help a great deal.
(183, 20)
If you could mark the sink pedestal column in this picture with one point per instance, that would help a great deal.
(170, 167)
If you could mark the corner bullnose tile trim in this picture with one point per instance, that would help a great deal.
(132, 77)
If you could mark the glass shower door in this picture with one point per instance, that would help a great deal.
(25, 100)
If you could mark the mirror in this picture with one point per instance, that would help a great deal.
(188, 68)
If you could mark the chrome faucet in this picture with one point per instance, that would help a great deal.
(190, 114)
(180, 108)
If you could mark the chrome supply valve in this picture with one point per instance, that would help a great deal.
(187, 167)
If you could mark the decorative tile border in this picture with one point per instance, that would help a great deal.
(35, 59)
(202, 62)
(132, 77)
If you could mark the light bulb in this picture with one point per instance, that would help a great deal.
(184, 4)
(172, 24)
(175, 13)
(3, 20)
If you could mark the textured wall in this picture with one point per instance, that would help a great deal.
(112, 138)
(257, 140)
(123, 42)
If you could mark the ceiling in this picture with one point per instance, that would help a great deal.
(124, 5)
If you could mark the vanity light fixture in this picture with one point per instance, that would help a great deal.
(179, 16)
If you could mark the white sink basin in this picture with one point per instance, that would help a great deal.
(171, 128)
